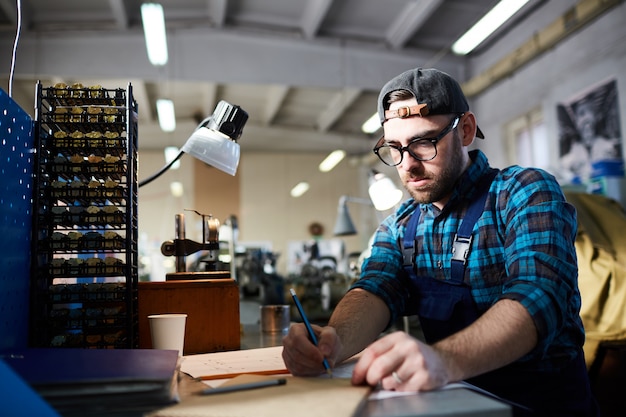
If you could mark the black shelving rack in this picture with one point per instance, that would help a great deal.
(84, 268)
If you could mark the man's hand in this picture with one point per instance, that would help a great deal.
(400, 362)
(302, 357)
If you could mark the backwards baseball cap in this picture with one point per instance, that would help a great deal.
(435, 91)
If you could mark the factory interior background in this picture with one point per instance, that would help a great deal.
(308, 73)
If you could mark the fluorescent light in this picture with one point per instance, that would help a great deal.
(153, 21)
(165, 111)
(299, 189)
(177, 189)
(171, 152)
(500, 13)
(371, 125)
(332, 160)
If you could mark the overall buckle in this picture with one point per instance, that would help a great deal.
(461, 248)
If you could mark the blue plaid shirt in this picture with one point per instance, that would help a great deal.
(523, 250)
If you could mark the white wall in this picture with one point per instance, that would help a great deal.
(592, 55)
(269, 213)
(157, 208)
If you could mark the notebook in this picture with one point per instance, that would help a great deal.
(84, 380)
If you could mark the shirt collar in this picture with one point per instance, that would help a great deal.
(465, 188)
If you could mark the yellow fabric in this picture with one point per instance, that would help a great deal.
(601, 251)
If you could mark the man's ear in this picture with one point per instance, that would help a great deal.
(468, 127)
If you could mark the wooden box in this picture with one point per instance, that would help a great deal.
(211, 305)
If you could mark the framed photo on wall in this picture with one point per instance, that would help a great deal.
(590, 137)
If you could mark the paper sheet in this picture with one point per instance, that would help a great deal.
(222, 365)
(302, 397)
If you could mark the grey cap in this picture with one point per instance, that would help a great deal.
(435, 91)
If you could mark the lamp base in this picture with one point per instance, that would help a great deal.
(179, 276)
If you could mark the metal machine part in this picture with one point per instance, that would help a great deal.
(181, 247)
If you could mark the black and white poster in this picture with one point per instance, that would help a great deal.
(590, 138)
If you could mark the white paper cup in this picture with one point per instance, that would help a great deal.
(168, 331)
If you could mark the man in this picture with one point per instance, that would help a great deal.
(498, 304)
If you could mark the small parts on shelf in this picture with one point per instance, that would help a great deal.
(71, 293)
(89, 241)
(70, 216)
(84, 275)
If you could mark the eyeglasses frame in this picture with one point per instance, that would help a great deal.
(449, 128)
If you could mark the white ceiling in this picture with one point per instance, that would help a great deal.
(306, 71)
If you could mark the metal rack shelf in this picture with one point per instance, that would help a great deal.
(84, 273)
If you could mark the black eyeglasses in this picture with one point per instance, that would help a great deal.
(422, 149)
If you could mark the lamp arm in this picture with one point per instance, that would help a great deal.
(161, 171)
(348, 199)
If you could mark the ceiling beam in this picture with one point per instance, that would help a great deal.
(10, 9)
(314, 13)
(209, 99)
(217, 12)
(142, 97)
(337, 106)
(208, 55)
(409, 21)
(275, 97)
(118, 9)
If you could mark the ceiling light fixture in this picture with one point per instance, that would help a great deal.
(299, 189)
(177, 189)
(332, 160)
(165, 112)
(371, 125)
(153, 21)
(488, 24)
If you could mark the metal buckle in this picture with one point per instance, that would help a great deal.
(460, 248)
(404, 112)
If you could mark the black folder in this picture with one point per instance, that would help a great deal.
(79, 381)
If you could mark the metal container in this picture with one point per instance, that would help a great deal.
(275, 318)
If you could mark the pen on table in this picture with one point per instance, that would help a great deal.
(309, 329)
(243, 387)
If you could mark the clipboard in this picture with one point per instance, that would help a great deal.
(300, 396)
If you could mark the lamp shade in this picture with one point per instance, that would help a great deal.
(213, 148)
(343, 224)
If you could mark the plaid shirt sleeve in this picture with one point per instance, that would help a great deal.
(381, 272)
(539, 230)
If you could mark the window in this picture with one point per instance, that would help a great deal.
(527, 137)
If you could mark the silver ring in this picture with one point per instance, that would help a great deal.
(396, 377)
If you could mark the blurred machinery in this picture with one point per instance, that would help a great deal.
(319, 287)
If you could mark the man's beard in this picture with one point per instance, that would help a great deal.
(442, 184)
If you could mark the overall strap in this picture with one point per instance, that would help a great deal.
(462, 239)
(408, 243)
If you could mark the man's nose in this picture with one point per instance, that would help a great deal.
(409, 161)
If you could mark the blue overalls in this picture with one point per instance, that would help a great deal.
(445, 307)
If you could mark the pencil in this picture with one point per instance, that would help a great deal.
(243, 387)
(234, 374)
(309, 329)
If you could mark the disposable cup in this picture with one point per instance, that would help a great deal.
(168, 331)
